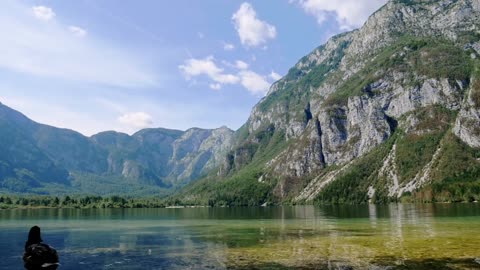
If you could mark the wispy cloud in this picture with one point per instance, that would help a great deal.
(124, 22)
(209, 67)
(43, 13)
(50, 50)
(251, 30)
(228, 46)
(215, 86)
(241, 65)
(77, 31)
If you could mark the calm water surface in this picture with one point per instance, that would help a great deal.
(443, 236)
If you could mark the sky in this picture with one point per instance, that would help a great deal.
(97, 65)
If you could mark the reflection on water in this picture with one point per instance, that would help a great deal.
(334, 237)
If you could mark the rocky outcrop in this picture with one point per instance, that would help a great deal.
(197, 152)
(348, 96)
(165, 157)
(467, 125)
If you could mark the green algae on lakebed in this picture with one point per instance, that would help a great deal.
(415, 246)
(405, 240)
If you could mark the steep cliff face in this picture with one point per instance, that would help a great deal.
(467, 125)
(165, 157)
(198, 152)
(404, 82)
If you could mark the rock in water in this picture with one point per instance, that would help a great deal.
(40, 256)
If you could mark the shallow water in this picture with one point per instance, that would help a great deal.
(445, 236)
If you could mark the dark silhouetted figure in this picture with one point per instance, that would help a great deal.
(39, 255)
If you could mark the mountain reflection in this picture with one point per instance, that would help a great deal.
(327, 237)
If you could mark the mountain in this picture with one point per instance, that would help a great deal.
(388, 112)
(43, 159)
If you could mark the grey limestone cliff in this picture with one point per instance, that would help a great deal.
(354, 93)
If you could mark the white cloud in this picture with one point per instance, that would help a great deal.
(196, 67)
(228, 46)
(215, 86)
(250, 80)
(200, 35)
(136, 120)
(43, 13)
(254, 83)
(275, 76)
(349, 14)
(252, 31)
(241, 65)
(77, 31)
(50, 50)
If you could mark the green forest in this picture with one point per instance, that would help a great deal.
(13, 201)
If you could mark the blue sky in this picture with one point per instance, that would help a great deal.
(93, 65)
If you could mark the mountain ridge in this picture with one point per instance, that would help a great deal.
(107, 154)
(388, 112)
(355, 94)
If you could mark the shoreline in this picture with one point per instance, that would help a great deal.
(21, 207)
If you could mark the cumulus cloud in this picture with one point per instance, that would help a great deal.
(43, 13)
(50, 50)
(275, 76)
(207, 66)
(252, 31)
(349, 14)
(254, 82)
(77, 31)
(136, 119)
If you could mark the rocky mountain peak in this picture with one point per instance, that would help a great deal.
(412, 64)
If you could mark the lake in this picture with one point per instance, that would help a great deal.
(429, 236)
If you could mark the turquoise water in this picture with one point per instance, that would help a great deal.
(445, 236)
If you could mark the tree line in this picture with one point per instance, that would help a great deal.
(12, 201)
